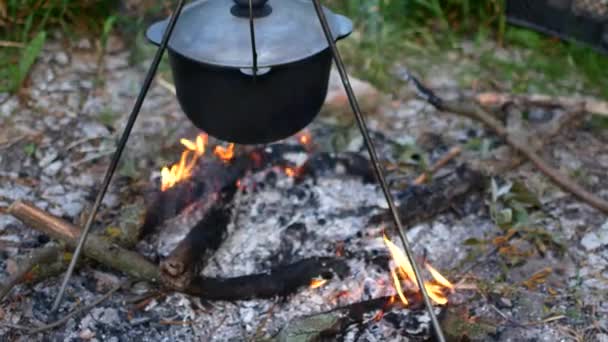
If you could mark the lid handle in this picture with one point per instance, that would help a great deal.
(260, 8)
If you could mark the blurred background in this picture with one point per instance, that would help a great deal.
(387, 30)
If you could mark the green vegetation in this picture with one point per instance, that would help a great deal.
(23, 27)
(429, 30)
(419, 33)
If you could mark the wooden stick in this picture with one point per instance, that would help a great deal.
(453, 153)
(474, 111)
(588, 104)
(96, 247)
(38, 257)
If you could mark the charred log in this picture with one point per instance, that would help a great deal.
(209, 177)
(421, 202)
(345, 163)
(280, 281)
(191, 254)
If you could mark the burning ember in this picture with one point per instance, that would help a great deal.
(193, 151)
(404, 273)
(317, 282)
(224, 153)
(305, 138)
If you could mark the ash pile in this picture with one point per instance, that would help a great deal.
(279, 242)
(288, 242)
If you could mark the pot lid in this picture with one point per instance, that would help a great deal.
(217, 32)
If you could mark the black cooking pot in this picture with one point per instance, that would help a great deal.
(220, 88)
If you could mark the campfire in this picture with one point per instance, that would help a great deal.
(200, 244)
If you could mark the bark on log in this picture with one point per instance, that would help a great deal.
(96, 247)
(280, 281)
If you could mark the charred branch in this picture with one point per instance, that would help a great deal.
(209, 178)
(191, 254)
(418, 203)
(280, 281)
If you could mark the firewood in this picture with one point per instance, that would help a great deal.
(39, 257)
(209, 177)
(96, 247)
(192, 253)
(280, 281)
(418, 203)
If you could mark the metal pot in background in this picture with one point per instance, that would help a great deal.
(251, 89)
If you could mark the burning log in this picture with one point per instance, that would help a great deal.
(421, 202)
(190, 255)
(192, 180)
(280, 281)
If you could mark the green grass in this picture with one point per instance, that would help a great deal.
(24, 25)
(422, 32)
(430, 29)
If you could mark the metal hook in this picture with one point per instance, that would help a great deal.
(371, 149)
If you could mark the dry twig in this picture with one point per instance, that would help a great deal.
(590, 105)
(453, 153)
(473, 111)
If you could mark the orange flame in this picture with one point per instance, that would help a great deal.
(290, 172)
(436, 289)
(317, 282)
(224, 153)
(183, 169)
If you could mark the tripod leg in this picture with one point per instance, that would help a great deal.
(376, 164)
(121, 145)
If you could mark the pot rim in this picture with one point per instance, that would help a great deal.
(343, 29)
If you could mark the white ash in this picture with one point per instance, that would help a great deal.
(285, 222)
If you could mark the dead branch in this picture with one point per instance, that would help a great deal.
(38, 257)
(96, 247)
(588, 104)
(475, 112)
(280, 281)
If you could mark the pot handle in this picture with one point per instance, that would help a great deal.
(155, 32)
(344, 26)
